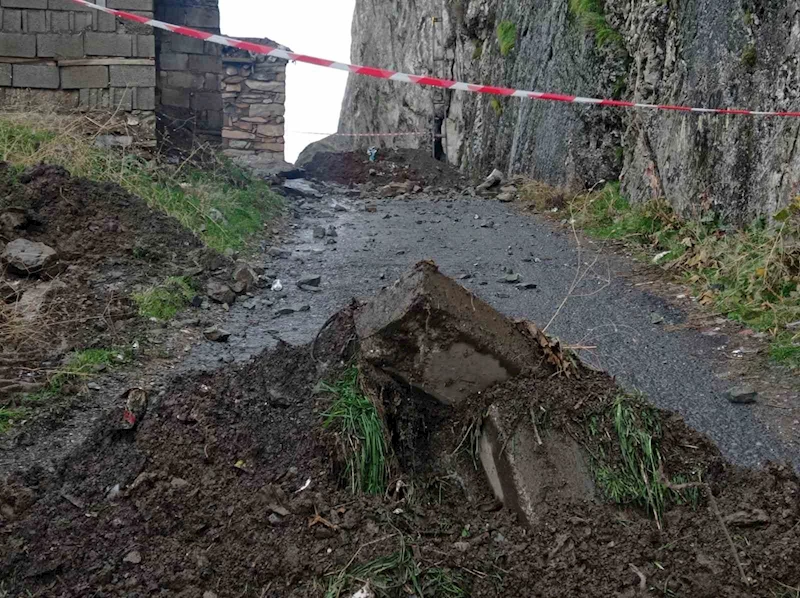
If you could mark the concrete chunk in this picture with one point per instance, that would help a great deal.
(440, 338)
(526, 466)
(17, 45)
(38, 76)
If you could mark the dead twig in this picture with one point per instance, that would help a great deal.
(640, 575)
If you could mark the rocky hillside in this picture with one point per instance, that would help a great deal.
(716, 53)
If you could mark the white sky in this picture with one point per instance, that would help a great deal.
(315, 27)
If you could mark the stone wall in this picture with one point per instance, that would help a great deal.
(55, 53)
(189, 70)
(695, 52)
(254, 97)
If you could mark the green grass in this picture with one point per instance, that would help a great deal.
(497, 107)
(590, 14)
(628, 471)
(186, 192)
(751, 275)
(507, 37)
(162, 302)
(397, 574)
(749, 56)
(361, 433)
(11, 415)
(80, 366)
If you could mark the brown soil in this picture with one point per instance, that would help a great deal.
(211, 499)
(110, 244)
(417, 166)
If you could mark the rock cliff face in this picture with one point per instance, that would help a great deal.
(714, 53)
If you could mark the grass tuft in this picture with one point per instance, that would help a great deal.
(361, 433)
(162, 302)
(630, 469)
(397, 574)
(9, 416)
(187, 192)
(751, 275)
(591, 16)
(80, 366)
(507, 37)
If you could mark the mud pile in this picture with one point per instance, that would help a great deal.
(415, 166)
(231, 486)
(105, 244)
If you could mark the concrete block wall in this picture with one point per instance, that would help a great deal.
(76, 58)
(189, 70)
(254, 98)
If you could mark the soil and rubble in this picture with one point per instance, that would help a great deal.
(230, 486)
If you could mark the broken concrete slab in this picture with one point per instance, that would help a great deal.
(301, 187)
(526, 466)
(440, 338)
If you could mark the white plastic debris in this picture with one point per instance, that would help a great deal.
(304, 486)
(365, 592)
(277, 285)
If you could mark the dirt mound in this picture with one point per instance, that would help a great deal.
(230, 486)
(416, 166)
(108, 243)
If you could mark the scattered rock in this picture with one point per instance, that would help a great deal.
(301, 187)
(217, 334)
(511, 278)
(489, 224)
(396, 188)
(178, 483)
(291, 309)
(742, 395)
(278, 253)
(209, 594)
(216, 216)
(93, 386)
(332, 231)
(526, 286)
(133, 557)
(506, 197)
(245, 277)
(319, 232)
(309, 282)
(28, 257)
(220, 292)
(250, 304)
(12, 219)
(656, 318)
(494, 179)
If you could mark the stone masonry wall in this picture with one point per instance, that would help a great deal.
(254, 97)
(189, 70)
(55, 53)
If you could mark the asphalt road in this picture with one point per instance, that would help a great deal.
(482, 241)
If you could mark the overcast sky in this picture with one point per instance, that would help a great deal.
(315, 27)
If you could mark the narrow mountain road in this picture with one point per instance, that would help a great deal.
(525, 267)
(635, 335)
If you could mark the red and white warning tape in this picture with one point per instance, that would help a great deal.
(360, 134)
(421, 80)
